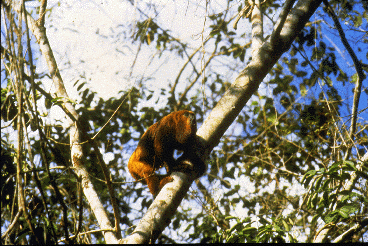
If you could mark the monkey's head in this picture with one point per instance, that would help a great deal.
(185, 125)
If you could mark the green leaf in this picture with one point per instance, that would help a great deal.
(328, 81)
(303, 89)
(314, 200)
(311, 172)
(285, 225)
(349, 209)
(358, 20)
(331, 217)
(334, 167)
(343, 213)
(307, 177)
(349, 166)
(344, 176)
(249, 229)
(231, 217)
(318, 183)
(307, 180)
(256, 110)
(325, 184)
(291, 238)
(80, 86)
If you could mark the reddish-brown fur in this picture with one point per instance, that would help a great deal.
(156, 148)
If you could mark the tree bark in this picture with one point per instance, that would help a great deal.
(221, 117)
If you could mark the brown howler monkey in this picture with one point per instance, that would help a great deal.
(156, 149)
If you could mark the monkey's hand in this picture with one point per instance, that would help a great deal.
(191, 165)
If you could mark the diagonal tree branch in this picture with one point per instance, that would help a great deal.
(281, 21)
(75, 133)
(234, 99)
(221, 117)
(353, 230)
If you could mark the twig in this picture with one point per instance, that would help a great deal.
(15, 220)
(359, 69)
(242, 12)
(88, 232)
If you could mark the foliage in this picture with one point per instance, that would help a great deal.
(278, 174)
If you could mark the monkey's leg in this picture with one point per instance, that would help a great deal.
(146, 174)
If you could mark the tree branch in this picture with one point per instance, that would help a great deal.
(158, 215)
(76, 148)
(351, 232)
(257, 28)
(234, 99)
(221, 117)
(358, 68)
(281, 21)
